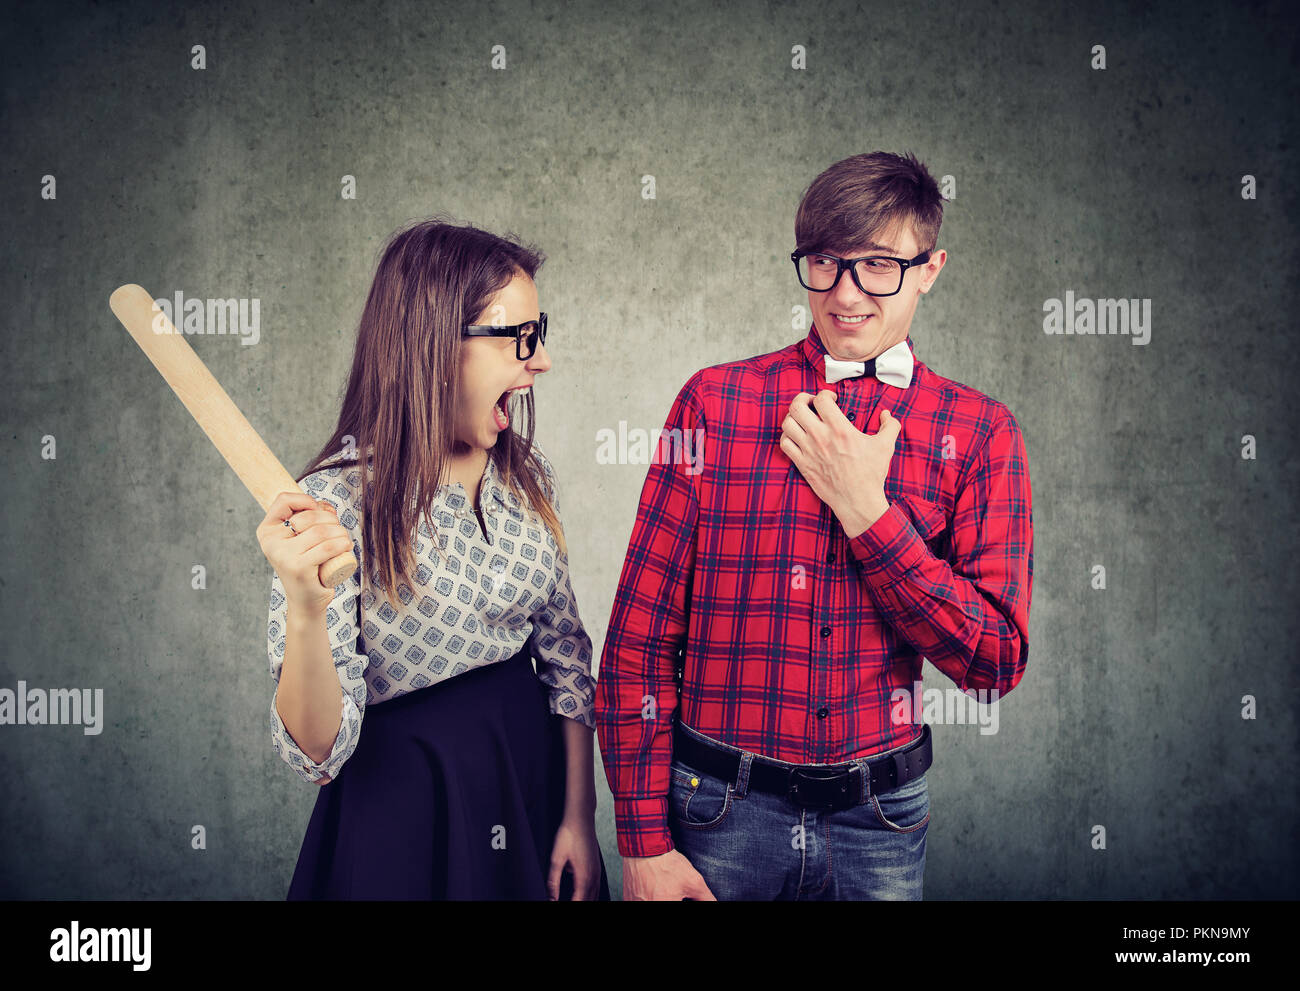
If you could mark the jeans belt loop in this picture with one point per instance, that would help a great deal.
(742, 775)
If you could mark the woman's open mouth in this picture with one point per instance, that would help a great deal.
(500, 414)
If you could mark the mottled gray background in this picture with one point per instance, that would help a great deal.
(225, 182)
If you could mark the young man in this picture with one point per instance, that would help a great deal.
(853, 514)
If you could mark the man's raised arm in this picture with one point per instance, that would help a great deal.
(970, 619)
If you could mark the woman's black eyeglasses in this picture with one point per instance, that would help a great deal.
(527, 335)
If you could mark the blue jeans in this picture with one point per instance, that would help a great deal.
(752, 845)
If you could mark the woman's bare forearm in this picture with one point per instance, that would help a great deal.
(309, 698)
(579, 778)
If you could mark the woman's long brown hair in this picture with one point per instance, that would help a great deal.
(433, 278)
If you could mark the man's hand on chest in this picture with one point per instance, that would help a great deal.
(845, 467)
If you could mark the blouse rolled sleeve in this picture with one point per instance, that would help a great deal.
(342, 619)
(562, 645)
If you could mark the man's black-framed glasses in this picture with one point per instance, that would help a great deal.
(875, 275)
(527, 335)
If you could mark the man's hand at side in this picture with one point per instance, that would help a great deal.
(665, 877)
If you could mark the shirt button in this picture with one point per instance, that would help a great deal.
(830, 558)
(826, 631)
(822, 712)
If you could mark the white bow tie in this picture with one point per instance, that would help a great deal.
(893, 366)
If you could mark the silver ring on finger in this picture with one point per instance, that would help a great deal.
(290, 526)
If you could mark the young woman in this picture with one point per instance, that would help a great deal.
(451, 768)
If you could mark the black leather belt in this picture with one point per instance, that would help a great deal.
(827, 786)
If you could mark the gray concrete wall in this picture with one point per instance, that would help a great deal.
(1116, 182)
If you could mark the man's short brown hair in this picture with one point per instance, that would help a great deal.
(860, 199)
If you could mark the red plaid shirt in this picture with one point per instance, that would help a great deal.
(795, 636)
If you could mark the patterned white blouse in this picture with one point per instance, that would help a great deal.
(473, 604)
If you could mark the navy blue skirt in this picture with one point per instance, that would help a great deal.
(454, 791)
